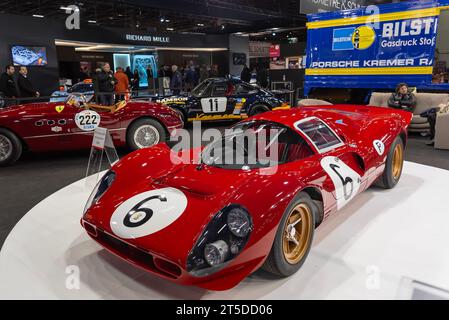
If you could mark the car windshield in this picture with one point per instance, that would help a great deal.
(202, 89)
(256, 144)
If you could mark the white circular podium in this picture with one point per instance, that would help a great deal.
(378, 243)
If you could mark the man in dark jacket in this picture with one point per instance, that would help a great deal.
(26, 88)
(262, 77)
(176, 81)
(402, 99)
(8, 85)
(106, 85)
(246, 74)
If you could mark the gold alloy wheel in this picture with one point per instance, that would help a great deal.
(398, 160)
(297, 233)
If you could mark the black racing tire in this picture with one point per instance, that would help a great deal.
(278, 262)
(10, 148)
(136, 134)
(258, 109)
(393, 166)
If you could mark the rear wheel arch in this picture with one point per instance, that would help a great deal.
(403, 136)
(317, 197)
(256, 106)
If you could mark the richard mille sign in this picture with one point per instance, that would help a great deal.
(136, 37)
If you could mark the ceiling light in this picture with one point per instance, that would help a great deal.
(222, 27)
(170, 29)
(200, 24)
(273, 34)
(92, 21)
(162, 19)
(167, 20)
(38, 16)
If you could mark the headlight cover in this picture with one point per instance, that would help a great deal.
(101, 187)
(221, 241)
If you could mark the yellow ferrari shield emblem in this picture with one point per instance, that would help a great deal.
(59, 109)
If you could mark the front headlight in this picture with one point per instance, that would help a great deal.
(101, 187)
(221, 241)
(239, 222)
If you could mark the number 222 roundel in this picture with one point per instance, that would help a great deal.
(87, 120)
(148, 212)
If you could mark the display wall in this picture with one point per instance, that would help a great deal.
(43, 32)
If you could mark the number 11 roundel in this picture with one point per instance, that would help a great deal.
(345, 179)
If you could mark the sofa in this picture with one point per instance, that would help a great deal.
(313, 102)
(424, 101)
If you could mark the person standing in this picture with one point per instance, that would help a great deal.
(121, 88)
(106, 84)
(150, 78)
(190, 76)
(204, 74)
(262, 77)
(26, 88)
(135, 83)
(96, 85)
(246, 74)
(129, 74)
(176, 80)
(8, 85)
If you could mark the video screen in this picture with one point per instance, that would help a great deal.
(141, 63)
(29, 56)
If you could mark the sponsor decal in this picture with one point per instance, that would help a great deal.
(379, 146)
(204, 117)
(59, 109)
(360, 38)
(172, 100)
(148, 213)
(87, 120)
(56, 129)
(346, 181)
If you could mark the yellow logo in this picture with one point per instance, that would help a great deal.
(59, 109)
(363, 37)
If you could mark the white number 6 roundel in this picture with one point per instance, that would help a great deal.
(345, 179)
(148, 212)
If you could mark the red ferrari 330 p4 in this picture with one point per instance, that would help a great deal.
(69, 125)
(212, 223)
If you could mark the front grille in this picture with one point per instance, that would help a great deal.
(138, 256)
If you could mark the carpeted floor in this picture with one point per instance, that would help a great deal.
(36, 176)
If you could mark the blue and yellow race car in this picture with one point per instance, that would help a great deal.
(223, 99)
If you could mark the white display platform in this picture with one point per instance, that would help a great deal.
(366, 251)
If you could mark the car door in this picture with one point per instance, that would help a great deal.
(344, 174)
(48, 126)
(221, 101)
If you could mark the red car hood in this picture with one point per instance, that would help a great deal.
(192, 197)
(29, 109)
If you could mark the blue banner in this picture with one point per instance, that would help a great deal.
(373, 47)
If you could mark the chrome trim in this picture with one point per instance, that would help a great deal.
(69, 134)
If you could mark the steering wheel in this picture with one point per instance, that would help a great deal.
(77, 100)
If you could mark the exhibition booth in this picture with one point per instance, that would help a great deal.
(231, 190)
